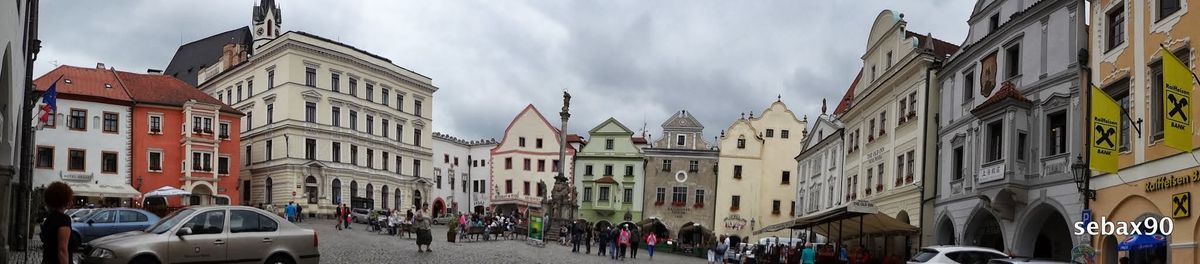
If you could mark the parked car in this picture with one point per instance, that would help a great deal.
(1025, 260)
(110, 221)
(360, 215)
(199, 234)
(956, 254)
(446, 218)
(78, 214)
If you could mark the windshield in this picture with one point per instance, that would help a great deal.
(924, 255)
(166, 223)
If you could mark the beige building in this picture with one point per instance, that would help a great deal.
(887, 133)
(326, 123)
(756, 172)
(525, 156)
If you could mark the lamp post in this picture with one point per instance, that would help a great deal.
(1082, 180)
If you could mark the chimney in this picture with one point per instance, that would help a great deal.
(100, 65)
(154, 71)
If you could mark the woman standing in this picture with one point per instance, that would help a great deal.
(651, 240)
(58, 247)
(424, 237)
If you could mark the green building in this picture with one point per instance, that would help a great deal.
(609, 175)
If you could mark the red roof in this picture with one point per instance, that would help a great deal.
(571, 138)
(128, 87)
(941, 48)
(607, 180)
(639, 140)
(1007, 91)
(849, 97)
(166, 90)
(85, 84)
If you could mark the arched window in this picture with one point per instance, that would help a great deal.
(417, 199)
(269, 189)
(371, 195)
(336, 191)
(399, 199)
(310, 189)
(353, 189)
(383, 196)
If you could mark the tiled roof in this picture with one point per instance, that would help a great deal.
(849, 97)
(85, 83)
(606, 180)
(1007, 91)
(575, 138)
(190, 58)
(941, 48)
(165, 90)
(639, 140)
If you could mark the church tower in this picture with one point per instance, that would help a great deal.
(266, 23)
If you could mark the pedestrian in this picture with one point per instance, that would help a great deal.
(808, 256)
(635, 237)
(299, 213)
(624, 241)
(602, 241)
(651, 240)
(349, 218)
(843, 255)
(337, 215)
(424, 237)
(613, 236)
(575, 237)
(290, 211)
(57, 245)
(587, 239)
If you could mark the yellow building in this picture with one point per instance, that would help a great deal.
(755, 175)
(1126, 62)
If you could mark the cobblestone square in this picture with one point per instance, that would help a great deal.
(359, 246)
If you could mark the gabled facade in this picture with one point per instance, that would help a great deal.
(1008, 131)
(681, 177)
(460, 170)
(755, 186)
(819, 174)
(611, 180)
(526, 156)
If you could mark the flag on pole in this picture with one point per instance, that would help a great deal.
(1106, 132)
(49, 102)
(1177, 92)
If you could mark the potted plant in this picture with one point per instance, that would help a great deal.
(908, 178)
(658, 203)
(882, 132)
(868, 191)
(451, 232)
(879, 187)
(912, 114)
(698, 205)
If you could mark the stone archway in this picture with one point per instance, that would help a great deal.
(1108, 250)
(984, 230)
(201, 195)
(310, 189)
(944, 234)
(439, 207)
(1045, 234)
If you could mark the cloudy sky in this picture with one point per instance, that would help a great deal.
(638, 61)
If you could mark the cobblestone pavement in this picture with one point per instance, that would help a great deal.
(358, 246)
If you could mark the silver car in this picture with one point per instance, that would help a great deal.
(210, 234)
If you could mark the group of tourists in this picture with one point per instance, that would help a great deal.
(486, 224)
(733, 249)
(392, 221)
(616, 243)
(294, 212)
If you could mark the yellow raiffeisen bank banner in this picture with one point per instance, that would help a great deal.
(1177, 92)
(1106, 132)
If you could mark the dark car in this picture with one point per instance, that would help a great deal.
(104, 222)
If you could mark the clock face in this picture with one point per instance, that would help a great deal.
(260, 31)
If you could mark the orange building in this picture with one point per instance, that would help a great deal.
(183, 138)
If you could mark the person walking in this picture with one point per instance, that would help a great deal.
(337, 215)
(651, 240)
(613, 236)
(424, 237)
(843, 255)
(587, 240)
(347, 216)
(624, 241)
(290, 211)
(299, 213)
(635, 238)
(601, 241)
(576, 236)
(808, 256)
(57, 245)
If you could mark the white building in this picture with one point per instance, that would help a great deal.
(87, 143)
(526, 156)
(326, 123)
(1008, 130)
(818, 173)
(755, 186)
(461, 170)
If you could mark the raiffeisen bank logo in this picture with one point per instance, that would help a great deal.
(1148, 226)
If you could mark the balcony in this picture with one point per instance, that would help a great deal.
(992, 172)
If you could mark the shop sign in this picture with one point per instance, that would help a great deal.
(735, 222)
(76, 177)
(1181, 205)
(1172, 181)
(991, 173)
(875, 156)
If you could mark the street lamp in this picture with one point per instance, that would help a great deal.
(1080, 172)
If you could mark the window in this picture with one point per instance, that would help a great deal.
(108, 162)
(310, 77)
(335, 82)
(608, 170)
(770, 132)
(77, 120)
(211, 222)
(741, 143)
(370, 125)
(660, 194)
(229, 96)
(1156, 95)
(679, 195)
(968, 91)
(1167, 8)
(417, 107)
(994, 22)
(155, 124)
(792, 209)
(248, 155)
(269, 150)
(202, 161)
(1013, 65)
(526, 185)
(507, 186)
(383, 96)
(699, 196)
(775, 207)
(912, 102)
(628, 198)
(889, 59)
(353, 87)
(958, 163)
(604, 193)
(399, 163)
(249, 120)
(336, 115)
(553, 167)
(1120, 93)
(587, 194)
(310, 149)
(693, 166)
(399, 132)
(353, 120)
(239, 92)
(370, 158)
(384, 162)
(250, 88)
(527, 164)
(224, 130)
(416, 168)
(541, 165)
(110, 122)
(270, 187)
(127, 216)
(76, 159)
(243, 221)
(270, 81)
(882, 122)
(1021, 148)
(541, 191)
(903, 109)
(872, 130)
(1056, 133)
(45, 157)
(737, 171)
(370, 92)
(400, 101)
(735, 202)
(354, 154)
(417, 137)
(783, 133)
(785, 178)
(222, 165)
(336, 152)
(538, 143)
(508, 163)
(679, 140)
(899, 168)
(666, 165)
(995, 141)
(521, 142)
(310, 112)
(1116, 26)
(608, 144)
(270, 113)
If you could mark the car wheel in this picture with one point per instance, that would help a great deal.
(144, 260)
(279, 259)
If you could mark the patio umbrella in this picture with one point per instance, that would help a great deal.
(166, 191)
(1139, 242)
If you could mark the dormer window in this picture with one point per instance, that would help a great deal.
(994, 22)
